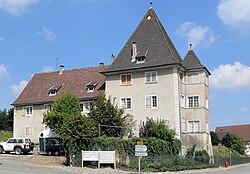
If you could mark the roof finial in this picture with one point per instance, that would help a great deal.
(190, 46)
(151, 5)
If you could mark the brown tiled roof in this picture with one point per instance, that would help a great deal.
(240, 130)
(74, 81)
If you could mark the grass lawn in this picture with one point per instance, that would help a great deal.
(5, 135)
(221, 151)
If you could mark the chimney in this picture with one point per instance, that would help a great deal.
(101, 64)
(112, 58)
(61, 69)
(134, 51)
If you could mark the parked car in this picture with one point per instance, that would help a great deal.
(54, 147)
(17, 145)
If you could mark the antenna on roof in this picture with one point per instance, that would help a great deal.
(151, 5)
(190, 46)
(57, 60)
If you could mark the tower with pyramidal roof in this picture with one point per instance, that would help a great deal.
(148, 78)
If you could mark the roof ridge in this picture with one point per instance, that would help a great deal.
(164, 37)
(105, 66)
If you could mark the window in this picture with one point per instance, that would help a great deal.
(52, 92)
(182, 100)
(181, 76)
(193, 126)
(151, 101)
(193, 77)
(85, 106)
(150, 77)
(193, 102)
(47, 107)
(126, 79)
(28, 130)
(29, 110)
(126, 103)
(206, 102)
(91, 86)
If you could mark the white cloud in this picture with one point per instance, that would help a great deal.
(48, 69)
(235, 14)
(17, 89)
(16, 7)
(47, 34)
(3, 71)
(243, 109)
(196, 34)
(229, 76)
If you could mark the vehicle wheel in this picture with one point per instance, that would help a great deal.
(57, 153)
(18, 151)
(1, 150)
(49, 153)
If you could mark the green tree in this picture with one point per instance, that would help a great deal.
(114, 122)
(158, 129)
(66, 106)
(10, 117)
(235, 142)
(3, 120)
(214, 138)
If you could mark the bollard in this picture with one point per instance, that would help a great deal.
(226, 164)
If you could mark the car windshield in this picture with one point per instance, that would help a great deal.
(27, 141)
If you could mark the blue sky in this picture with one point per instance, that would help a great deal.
(82, 33)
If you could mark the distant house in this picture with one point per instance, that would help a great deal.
(241, 130)
(44, 88)
(148, 78)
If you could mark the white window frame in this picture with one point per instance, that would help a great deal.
(150, 73)
(52, 92)
(28, 133)
(150, 97)
(126, 103)
(193, 101)
(206, 103)
(183, 102)
(28, 111)
(84, 109)
(191, 126)
(47, 107)
(91, 88)
(126, 83)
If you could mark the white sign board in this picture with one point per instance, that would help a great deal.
(89, 155)
(141, 148)
(107, 157)
(141, 154)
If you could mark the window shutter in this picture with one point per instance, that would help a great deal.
(129, 79)
(148, 102)
(183, 125)
(23, 111)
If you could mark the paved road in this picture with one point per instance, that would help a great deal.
(10, 164)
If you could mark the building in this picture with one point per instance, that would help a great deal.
(240, 130)
(155, 83)
(44, 88)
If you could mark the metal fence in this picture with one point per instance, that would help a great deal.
(231, 161)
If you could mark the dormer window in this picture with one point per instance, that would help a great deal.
(140, 59)
(53, 90)
(91, 86)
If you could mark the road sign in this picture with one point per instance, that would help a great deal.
(141, 148)
(141, 154)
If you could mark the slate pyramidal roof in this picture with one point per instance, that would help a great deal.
(153, 41)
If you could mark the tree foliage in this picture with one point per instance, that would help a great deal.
(66, 106)
(158, 129)
(214, 138)
(112, 120)
(235, 142)
(6, 119)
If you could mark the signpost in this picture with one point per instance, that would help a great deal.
(140, 151)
